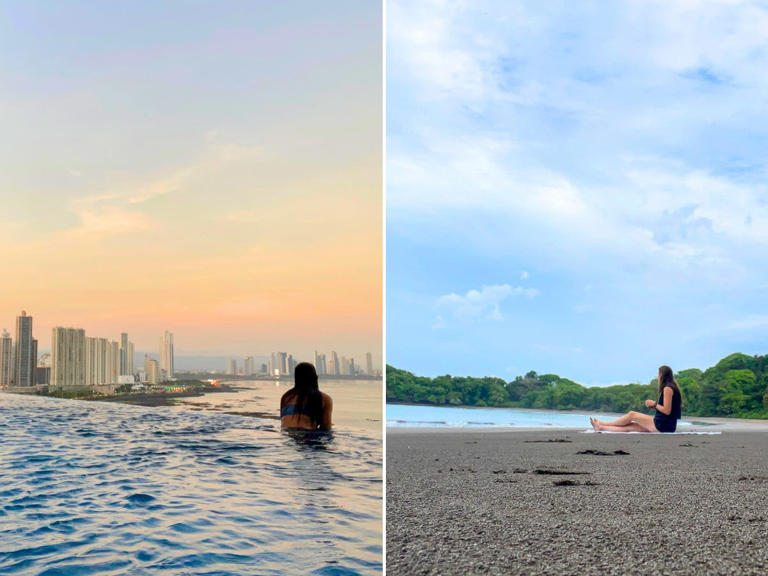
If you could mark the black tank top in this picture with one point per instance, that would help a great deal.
(669, 421)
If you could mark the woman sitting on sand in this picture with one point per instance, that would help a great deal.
(304, 407)
(667, 410)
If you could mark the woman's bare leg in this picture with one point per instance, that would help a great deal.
(631, 427)
(624, 420)
(632, 422)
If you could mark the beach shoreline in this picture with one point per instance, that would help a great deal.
(697, 424)
(557, 501)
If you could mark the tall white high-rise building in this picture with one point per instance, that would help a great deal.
(320, 364)
(166, 354)
(96, 365)
(336, 370)
(368, 363)
(279, 363)
(151, 369)
(102, 367)
(249, 368)
(125, 366)
(231, 366)
(91, 378)
(113, 362)
(345, 366)
(24, 352)
(68, 360)
(6, 360)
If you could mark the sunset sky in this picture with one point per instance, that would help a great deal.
(213, 169)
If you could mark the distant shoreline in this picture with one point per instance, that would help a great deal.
(743, 424)
(141, 398)
(155, 399)
(281, 378)
(702, 419)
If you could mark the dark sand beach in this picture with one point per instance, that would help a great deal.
(564, 502)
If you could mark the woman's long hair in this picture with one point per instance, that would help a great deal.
(309, 401)
(667, 377)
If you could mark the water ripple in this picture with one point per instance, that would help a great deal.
(115, 489)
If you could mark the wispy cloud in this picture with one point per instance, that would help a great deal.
(125, 208)
(160, 187)
(481, 304)
(105, 214)
(97, 220)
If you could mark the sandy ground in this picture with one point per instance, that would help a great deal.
(563, 502)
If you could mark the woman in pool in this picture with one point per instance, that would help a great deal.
(304, 407)
(667, 410)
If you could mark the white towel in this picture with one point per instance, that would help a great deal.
(590, 431)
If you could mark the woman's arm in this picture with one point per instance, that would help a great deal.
(666, 406)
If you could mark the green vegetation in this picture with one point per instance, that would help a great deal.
(736, 387)
(74, 392)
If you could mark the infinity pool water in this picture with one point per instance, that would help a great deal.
(92, 487)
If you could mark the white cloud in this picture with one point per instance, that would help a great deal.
(160, 187)
(485, 94)
(439, 323)
(106, 221)
(524, 275)
(121, 209)
(481, 304)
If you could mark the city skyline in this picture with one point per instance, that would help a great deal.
(126, 355)
(283, 363)
(156, 177)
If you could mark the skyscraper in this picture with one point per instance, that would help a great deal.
(368, 363)
(126, 356)
(320, 364)
(24, 352)
(336, 366)
(166, 354)
(68, 360)
(151, 369)
(91, 376)
(248, 366)
(6, 359)
(113, 362)
(102, 361)
(280, 363)
(96, 369)
(129, 366)
(231, 366)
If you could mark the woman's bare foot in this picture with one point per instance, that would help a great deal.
(594, 423)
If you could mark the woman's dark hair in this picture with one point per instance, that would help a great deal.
(667, 378)
(309, 401)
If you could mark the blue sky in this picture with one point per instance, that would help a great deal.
(577, 188)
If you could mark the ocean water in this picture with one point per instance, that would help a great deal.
(101, 488)
(402, 415)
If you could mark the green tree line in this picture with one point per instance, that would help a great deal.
(736, 387)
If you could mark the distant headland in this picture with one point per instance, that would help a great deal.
(735, 387)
